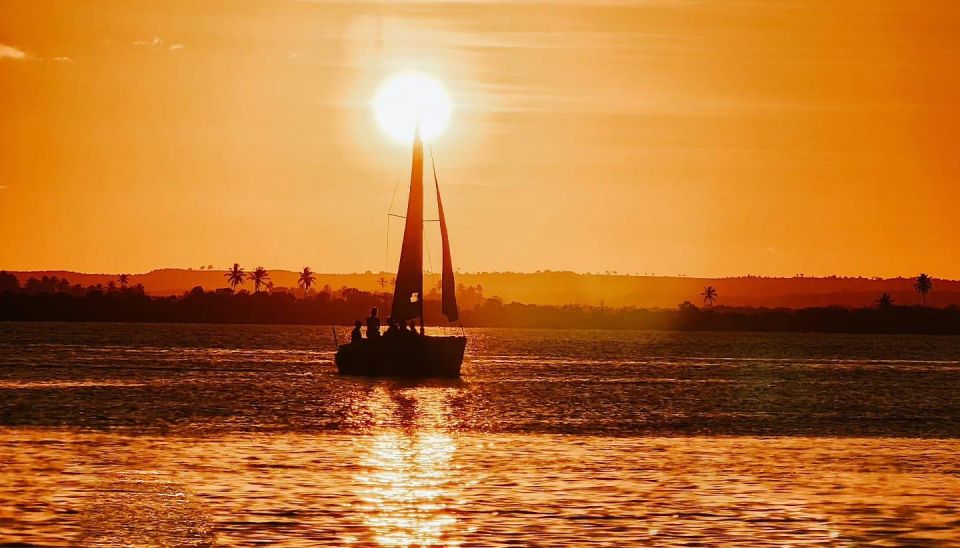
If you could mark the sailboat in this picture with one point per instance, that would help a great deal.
(412, 355)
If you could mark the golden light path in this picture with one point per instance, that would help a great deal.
(405, 483)
(410, 98)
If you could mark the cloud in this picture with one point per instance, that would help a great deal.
(152, 43)
(4, 187)
(63, 59)
(157, 43)
(10, 52)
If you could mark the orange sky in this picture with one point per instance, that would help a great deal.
(702, 138)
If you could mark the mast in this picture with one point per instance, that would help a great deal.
(408, 291)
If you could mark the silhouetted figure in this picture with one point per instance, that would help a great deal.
(393, 328)
(356, 337)
(373, 324)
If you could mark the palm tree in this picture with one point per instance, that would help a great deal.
(124, 279)
(307, 278)
(709, 294)
(923, 286)
(235, 276)
(885, 301)
(260, 277)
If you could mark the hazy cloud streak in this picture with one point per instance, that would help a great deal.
(10, 52)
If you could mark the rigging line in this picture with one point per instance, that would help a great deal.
(434, 167)
(396, 186)
(386, 254)
(404, 217)
(425, 239)
(427, 247)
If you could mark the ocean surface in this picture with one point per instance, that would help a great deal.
(160, 434)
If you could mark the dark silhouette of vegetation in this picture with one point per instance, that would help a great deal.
(885, 301)
(307, 277)
(235, 276)
(55, 299)
(8, 282)
(260, 277)
(709, 295)
(923, 286)
(124, 280)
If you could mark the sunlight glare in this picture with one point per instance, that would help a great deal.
(410, 97)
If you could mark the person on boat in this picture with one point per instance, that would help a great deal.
(356, 337)
(373, 324)
(393, 328)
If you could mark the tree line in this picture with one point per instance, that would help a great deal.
(923, 284)
(55, 299)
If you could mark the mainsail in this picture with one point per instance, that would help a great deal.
(447, 284)
(408, 292)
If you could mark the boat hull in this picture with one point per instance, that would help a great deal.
(404, 356)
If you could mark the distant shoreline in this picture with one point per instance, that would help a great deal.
(561, 288)
(223, 307)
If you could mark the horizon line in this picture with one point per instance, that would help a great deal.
(504, 272)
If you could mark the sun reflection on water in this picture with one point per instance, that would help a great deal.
(405, 482)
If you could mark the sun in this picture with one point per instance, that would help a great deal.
(409, 98)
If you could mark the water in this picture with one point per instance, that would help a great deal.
(200, 435)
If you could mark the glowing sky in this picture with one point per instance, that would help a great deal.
(705, 138)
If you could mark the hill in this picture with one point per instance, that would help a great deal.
(559, 288)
